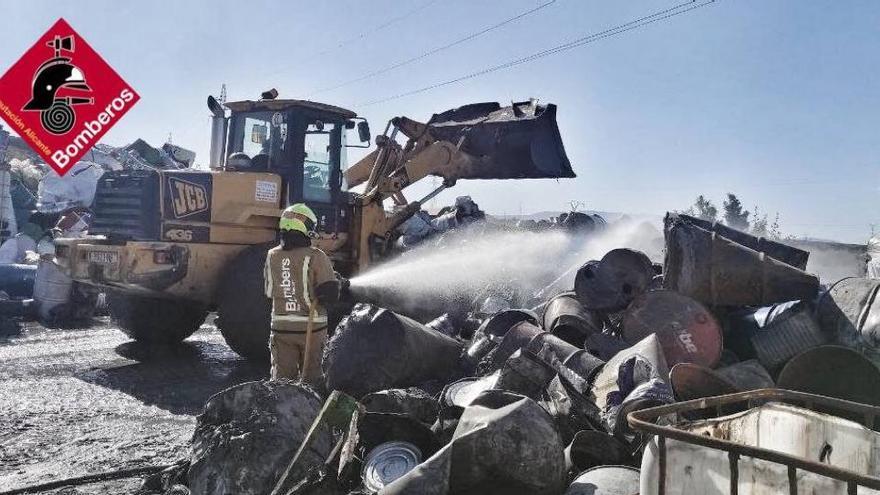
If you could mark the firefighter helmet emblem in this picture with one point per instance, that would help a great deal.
(56, 112)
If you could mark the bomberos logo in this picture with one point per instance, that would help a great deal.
(61, 97)
(187, 198)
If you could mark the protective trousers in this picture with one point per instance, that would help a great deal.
(288, 354)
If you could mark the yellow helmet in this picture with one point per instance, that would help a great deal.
(298, 217)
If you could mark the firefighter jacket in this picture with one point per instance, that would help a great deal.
(291, 278)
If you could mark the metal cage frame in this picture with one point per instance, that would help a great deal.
(642, 421)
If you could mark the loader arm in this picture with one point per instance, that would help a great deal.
(479, 141)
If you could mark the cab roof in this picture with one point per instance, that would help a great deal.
(275, 105)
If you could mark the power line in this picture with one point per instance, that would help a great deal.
(347, 41)
(435, 50)
(620, 29)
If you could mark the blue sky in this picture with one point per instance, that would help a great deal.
(775, 100)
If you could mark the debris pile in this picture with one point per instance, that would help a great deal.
(38, 206)
(547, 399)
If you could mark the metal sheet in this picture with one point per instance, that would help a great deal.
(721, 272)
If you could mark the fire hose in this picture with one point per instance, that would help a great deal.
(90, 478)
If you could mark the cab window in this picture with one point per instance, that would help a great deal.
(317, 165)
(260, 135)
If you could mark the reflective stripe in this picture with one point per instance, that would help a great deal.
(267, 277)
(306, 296)
(299, 318)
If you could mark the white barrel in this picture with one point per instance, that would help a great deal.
(7, 212)
(52, 288)
(692, 469)
(606, 480)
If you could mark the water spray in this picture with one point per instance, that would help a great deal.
(474, 262)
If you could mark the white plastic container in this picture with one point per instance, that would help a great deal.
(52, 288)
(696, 470)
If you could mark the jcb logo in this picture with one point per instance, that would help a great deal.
(187, 198)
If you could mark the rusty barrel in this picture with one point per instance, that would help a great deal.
(783, 252)
(687, 331)
(692, 381)
(850, 310)
(718, 271)
(613, 282)
(565, 317)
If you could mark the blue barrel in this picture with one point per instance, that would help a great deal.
(17, 281)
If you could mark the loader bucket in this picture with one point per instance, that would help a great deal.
(520, 141)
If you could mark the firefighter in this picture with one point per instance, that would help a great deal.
(300, 283)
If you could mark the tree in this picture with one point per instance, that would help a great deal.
(734, 216)
(775, 232)
(759, 223)
(705, 209)
(702, 208)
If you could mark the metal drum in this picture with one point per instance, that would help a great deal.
(376, 349)
(687, 331)
(692, 381)
(17, 281)
(565, 317)
(774, 334)
(515, 339)
(389, 461)
(492, 331)
(612, 283)
(462, 392)
(606, 480)
(833, 371)
(52, 288)
(558, 353)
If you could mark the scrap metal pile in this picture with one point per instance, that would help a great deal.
(566, 397)
(37, 206)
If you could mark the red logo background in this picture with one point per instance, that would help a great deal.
(16, 92)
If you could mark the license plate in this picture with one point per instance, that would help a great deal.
(103, 257)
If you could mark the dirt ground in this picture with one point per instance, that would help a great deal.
(81, 401)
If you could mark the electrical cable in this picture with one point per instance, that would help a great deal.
(619, 29)
(347, 41)
(436, 50)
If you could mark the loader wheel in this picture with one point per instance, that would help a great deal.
(155, 321)
(243, 311)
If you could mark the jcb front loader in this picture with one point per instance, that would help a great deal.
(169, 246)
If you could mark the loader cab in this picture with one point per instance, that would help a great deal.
(302, 141)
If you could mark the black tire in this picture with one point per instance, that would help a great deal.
(155, 321)
(243, 312)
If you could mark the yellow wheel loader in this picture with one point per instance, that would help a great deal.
(168, 246)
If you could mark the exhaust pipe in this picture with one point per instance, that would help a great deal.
(219, 124)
